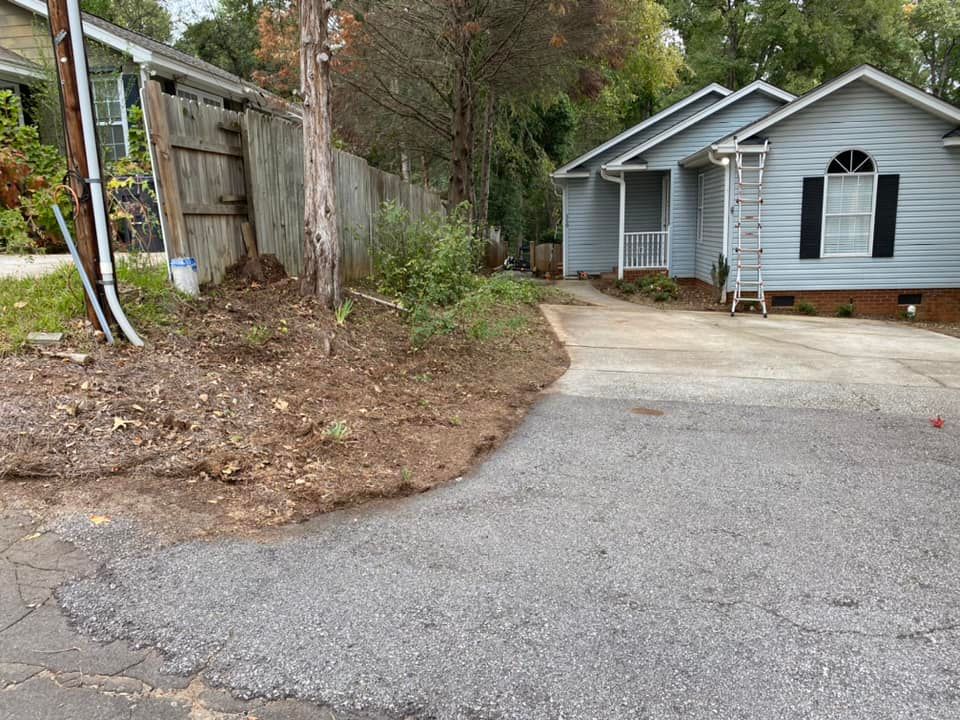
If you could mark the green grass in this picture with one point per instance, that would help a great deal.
(54, 302)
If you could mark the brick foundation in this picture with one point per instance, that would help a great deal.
(937, 305)
(633, 275)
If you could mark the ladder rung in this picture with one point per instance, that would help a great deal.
(754, 283)
(748, 267)
(756, 299)
(749, 250)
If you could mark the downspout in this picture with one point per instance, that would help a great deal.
(621, 181)
(724, 162)
(95, 181)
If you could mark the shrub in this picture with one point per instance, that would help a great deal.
(719, 272)
(30, 173)
(431, 262)
(626, 287)
(845, 311)
(660, 287)
(805, 308)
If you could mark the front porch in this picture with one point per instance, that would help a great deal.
(644, 228)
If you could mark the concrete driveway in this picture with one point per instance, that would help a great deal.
(705, 518)
(628, 350)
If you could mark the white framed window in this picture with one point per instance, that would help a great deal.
(110, 108)
(849, 205)
(700, 208)
(199, 96)
(15, 89)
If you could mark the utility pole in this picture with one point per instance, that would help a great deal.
(77, 168)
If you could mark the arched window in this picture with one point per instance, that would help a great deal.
(850, 191)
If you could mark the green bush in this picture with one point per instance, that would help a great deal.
(30, 177)
(845, 311)
(431, 262)
(626, 287)
(805, 308)
(660, 287)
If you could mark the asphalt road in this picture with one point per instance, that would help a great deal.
(709, 562)
(775, 544)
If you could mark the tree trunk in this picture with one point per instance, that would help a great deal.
(321, 241)
(461, 149)
(483, 211)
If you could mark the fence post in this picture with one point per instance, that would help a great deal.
(168, 187)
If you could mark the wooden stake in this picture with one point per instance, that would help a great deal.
(84, 229)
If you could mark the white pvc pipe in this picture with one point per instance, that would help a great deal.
(93, 171)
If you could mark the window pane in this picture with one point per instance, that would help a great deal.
(847, 234)
(850, 194)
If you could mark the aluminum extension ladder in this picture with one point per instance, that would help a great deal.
(749, 282)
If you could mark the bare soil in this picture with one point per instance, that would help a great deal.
(223, 424)
(692, 297)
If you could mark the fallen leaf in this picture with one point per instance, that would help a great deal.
(99, 520)
(281, 405)
(937, 422)
(19, 305)
(119, 423)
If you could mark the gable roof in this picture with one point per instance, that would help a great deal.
(663, 114)
(147, 51)
(17, 66)
(869, 74)
(757, 86)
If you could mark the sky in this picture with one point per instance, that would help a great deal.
(185, 12)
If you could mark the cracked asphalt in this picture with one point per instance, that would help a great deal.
(705, 518)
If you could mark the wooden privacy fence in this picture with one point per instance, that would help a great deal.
(218, 169)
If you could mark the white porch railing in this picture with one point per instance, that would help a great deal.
(645, 250)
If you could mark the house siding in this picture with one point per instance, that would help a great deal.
(24, 33)
(683, 215)
(903, 140)
(714, 215)
(592, 215)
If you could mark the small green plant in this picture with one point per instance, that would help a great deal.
(805, 308)
(719, 272)
(258, 335)
(343, 312)
(455, 421)
(660, 287)
(845, 311)
(406, 474)
(625, 286)
(338, 431)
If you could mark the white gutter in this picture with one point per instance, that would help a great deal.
(95, 180)
(724, 162)
(951, 141)
(621, 181)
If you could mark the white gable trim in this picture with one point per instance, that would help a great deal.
(143, 56)
(877, 78)
(757, 86)
(666, 112)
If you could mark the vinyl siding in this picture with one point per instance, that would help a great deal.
(592, 216)
(683, 211)
(714, 215)
(643, 201)
(23, 33)
(902, 139)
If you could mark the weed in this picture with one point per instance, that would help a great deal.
(54, 302)
(343, 312)
(423, 377)
(338, 431)
(455, 421)
(805, 308)
(626, 287)
(258, 335)
(845, 311)
(660, 287)
(406, 474)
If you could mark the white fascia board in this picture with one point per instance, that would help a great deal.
(16, 71)
(757, 86)
(877, 78)
(569, 175)
(632, 167)
(141, 55)
(665, 113)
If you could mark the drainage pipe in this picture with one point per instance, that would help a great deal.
(95, 180)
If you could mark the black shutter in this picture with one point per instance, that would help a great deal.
(131, 91)
(811, 218)
(885, 219)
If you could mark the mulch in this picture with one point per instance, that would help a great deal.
(692, 297)
(223, 423)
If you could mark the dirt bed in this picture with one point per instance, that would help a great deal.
(238, 418)
(692, 297)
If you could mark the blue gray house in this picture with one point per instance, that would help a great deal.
(861, 193)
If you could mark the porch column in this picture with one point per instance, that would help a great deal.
(623, 225)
